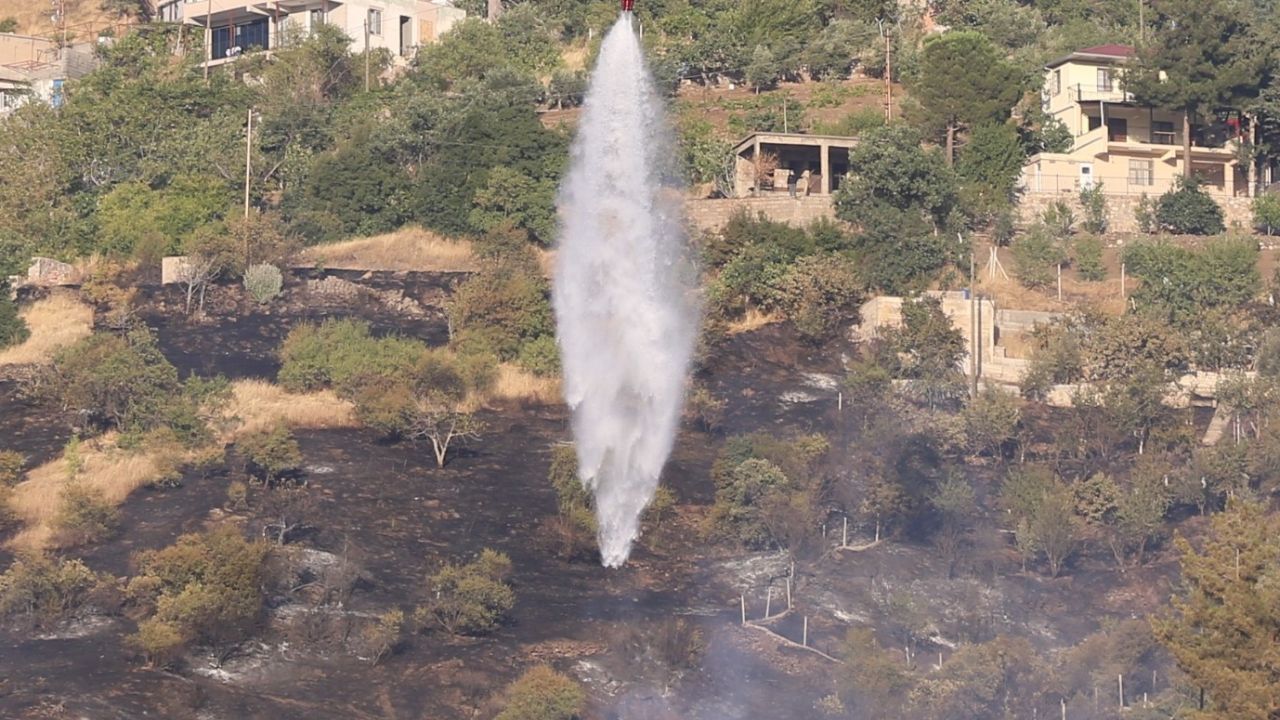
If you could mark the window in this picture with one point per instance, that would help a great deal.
(375, 21)
(1095, 122)
(1140, 172)
(317, 19)
(221, 42)
(1104, 80)
(1162, 133)
(1057, 81)
(253, 35)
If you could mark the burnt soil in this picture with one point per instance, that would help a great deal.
(390, 508)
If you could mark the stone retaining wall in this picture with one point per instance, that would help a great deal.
(1237, 211)
(712, 214)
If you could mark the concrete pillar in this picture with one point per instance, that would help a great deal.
(755, 159)
(825, 149)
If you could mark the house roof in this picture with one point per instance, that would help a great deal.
(1104, 54)
(777, 138)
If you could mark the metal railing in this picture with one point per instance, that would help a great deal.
(1047, 183)
(1085, 92)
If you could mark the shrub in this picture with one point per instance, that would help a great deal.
(470, 599)
(540, 356)
(1266, 218)
(1036, 256)
(125, 382)
(705, 409)
(1187, 210)
(272, 453)
(44, 590)
(1058, 219)
(1088, 258)
(11, 465)
(13, 329)
(345, 356)
(819, 293)
(507, 300)
(543, 694)
(1094, 203)
(159, 641)
(263, 282)
(381, 638)
(84, 516)
(206, 587)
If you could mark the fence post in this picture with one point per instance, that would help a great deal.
(804, 638)
(768, 601)
(743, 599)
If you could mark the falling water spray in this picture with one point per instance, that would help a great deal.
(623, 294)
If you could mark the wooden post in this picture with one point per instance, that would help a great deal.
(768, 601)
(1059, 282)
(973, 324)
(788, 593)
(1122, 293)
(1064, 708)
(844, 535)
(805, 636)
(1120, 680)
(840, 401)
(743, 599)
(248, 151)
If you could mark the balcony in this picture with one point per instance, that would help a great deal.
(1102, 92)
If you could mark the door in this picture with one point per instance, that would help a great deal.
(1086, 176)
(1117, 129)
(406, 35)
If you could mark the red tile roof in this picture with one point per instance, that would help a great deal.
(1111, 49)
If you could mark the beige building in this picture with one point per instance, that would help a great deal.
(766, 163)
(35, 68)
(239, 26)
(1129, 148)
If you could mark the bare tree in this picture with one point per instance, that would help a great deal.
(440, 422)
(210, 253)
(287, 509)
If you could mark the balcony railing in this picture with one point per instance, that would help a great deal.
(1133, 185)
(1101, 92)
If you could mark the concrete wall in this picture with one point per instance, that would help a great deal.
(712, 214)
(1237, 211)
(886, 311)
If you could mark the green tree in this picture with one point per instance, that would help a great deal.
(963, 81)
(511, 198)
(1037, 256)
(13, 329)
(990, 420)
(1197, 60)
(542, 694)
(1221, 630)
(1088, 258)
(151, 223)
(989, 165)
(272, 452)
(764, 70)
(957, 507)
(928, 349)
(1043, 510)
(819, 294)
(1266, 213)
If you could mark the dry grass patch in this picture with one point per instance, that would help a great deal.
(257, 404)
(517, 384)
(410, 248)
(117, 473)
(55, 322)
(753, 319)
(106, 468)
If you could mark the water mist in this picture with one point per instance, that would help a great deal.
(623, 296)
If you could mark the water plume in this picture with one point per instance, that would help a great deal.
(625, 314)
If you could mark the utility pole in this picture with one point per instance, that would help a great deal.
(1142, 25)
(248, 158)
(366, 53)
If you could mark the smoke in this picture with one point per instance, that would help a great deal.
(623, 298)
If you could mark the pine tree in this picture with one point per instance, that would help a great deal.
(1224, 626)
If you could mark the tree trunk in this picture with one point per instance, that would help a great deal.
(440, 449)
(1186, 143)
(951, 143)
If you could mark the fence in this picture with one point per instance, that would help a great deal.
(1070, 184)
